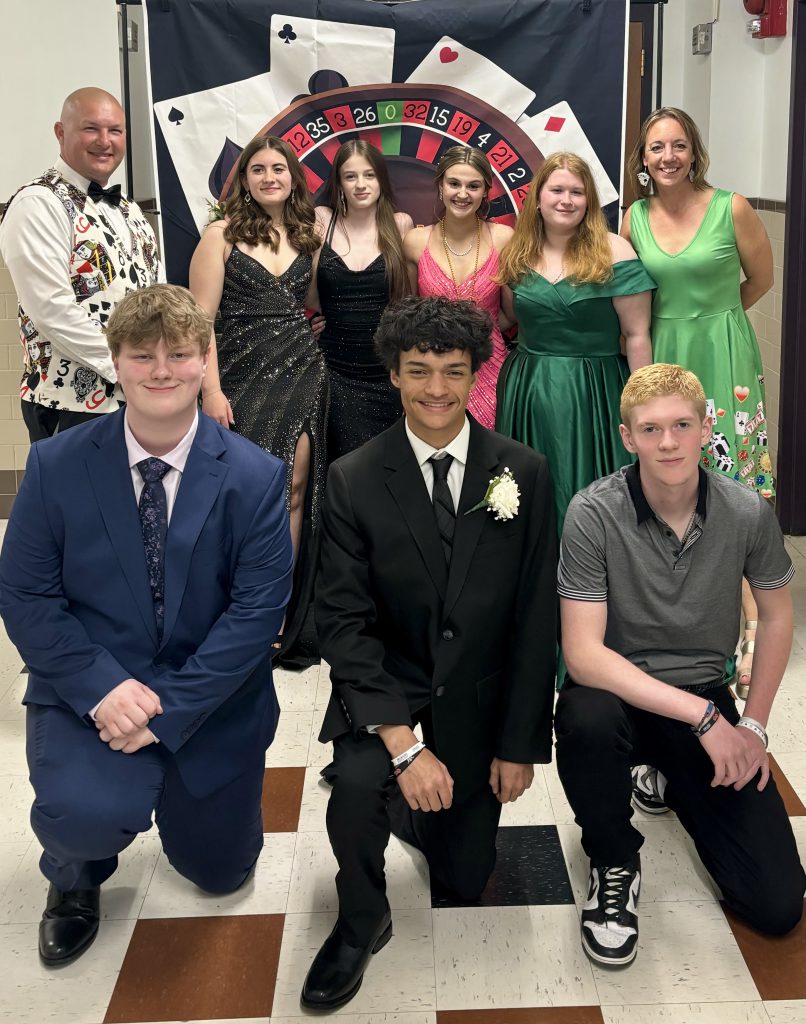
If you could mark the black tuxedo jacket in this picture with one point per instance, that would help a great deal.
(400, 629)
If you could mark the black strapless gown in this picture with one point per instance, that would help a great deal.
(363, 401)
(275, 378)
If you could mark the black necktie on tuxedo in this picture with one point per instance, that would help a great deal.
(109, 195)
(443, 503)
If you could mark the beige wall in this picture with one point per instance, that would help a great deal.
(766, 317)
(13, 435)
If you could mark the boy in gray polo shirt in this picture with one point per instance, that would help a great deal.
(650, 576)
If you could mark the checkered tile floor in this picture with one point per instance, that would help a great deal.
(169, 953)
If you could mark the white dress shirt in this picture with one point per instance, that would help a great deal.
(176, 459)
(457, 448)
(36, 243)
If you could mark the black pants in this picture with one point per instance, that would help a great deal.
(744, 838)
(43, 422)
(365, 806)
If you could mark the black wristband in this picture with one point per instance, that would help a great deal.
(399, 769)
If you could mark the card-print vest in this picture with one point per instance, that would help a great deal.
(103, 268)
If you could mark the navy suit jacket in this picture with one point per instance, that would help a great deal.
(75, 597)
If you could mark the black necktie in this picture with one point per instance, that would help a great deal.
(154, 524)
(443, 503)
(109, 195)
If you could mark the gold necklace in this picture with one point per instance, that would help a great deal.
(450, 265)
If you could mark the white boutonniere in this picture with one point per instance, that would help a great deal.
(503, 497)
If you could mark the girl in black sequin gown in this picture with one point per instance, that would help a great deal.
(360, 269)
(266, 377)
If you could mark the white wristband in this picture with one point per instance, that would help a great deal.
(407, 754)
(754, 726)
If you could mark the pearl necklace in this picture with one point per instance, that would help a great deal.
(448, 245)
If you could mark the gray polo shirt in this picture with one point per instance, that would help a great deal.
(673, 611)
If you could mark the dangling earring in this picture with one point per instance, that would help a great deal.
(342, 203)
(440, 193)
(643, 178)
(247, 197)
(692, 171)
(291, 196)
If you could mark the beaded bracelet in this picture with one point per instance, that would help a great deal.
(754, 727)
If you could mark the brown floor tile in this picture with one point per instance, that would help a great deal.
(776, 965)
(6, 505)
(792, 802)
(536, 1015)
(282, 799)
(201, 968)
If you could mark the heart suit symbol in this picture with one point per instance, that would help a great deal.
(740, 392)
(447, 55)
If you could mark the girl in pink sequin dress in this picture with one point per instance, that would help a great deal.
(458, 257)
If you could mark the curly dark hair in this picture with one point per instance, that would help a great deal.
(433, 325)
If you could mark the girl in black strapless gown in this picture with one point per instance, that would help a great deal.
(266, 377)
(360, 268)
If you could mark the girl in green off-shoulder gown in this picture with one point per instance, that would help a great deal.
(559, 390)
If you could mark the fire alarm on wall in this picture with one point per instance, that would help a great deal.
(769, 18)
(701, 38)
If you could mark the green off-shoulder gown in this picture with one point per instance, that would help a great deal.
(559, 390)
(698, 322)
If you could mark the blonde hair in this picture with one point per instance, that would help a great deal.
(699, 153)
(160, 311)
(660, 380)
(588, 257)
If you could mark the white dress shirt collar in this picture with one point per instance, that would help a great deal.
(423, 451)
(176, 458)
(70, 175)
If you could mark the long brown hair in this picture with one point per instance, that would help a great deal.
(248, 222)
(476, 159)
(698, 151)
(389, 240)
(588, 257)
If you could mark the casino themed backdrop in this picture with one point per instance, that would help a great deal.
(519, 79)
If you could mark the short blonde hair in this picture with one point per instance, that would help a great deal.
(159, 311)
(660, 380)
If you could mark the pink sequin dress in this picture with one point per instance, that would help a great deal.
(482, 289)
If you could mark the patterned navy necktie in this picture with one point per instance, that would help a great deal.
(154, 524)
(443, 503)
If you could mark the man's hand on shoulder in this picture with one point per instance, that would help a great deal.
(509, 780)
(426, 784)
(736, 756)
(126, 709)
(133, 742)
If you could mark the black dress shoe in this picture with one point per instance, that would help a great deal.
(338, 968)
(69, 925)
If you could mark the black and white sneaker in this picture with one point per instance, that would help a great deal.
(648, 789)
(610, 914)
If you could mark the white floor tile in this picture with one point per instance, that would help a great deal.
(313, 888)
(290, 746)
(319, 754)
(399, 978)
(787, 723)
(423, 1017)
(793, 765)
(533, 808)
(315, 795)
(12, 746)
(670, 867)
(687, 1013)
(296, 691)
(171, 895)
(786, 1011)
(559, 805)
(76, 994)
(510, 956)
(682, 947)
(11, 855)
(121, 898)
(11, 700)
(16, 797)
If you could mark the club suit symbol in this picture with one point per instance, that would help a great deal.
(287, 34)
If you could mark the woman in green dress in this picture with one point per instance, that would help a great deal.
(574, 288)
(696, 241)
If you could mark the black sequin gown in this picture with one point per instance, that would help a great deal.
(363, 401)
(276, 381)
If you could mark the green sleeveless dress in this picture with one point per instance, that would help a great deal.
(559, 390)
(698, 322)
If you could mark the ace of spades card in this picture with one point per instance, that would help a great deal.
(309, 55)
(206, 131)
